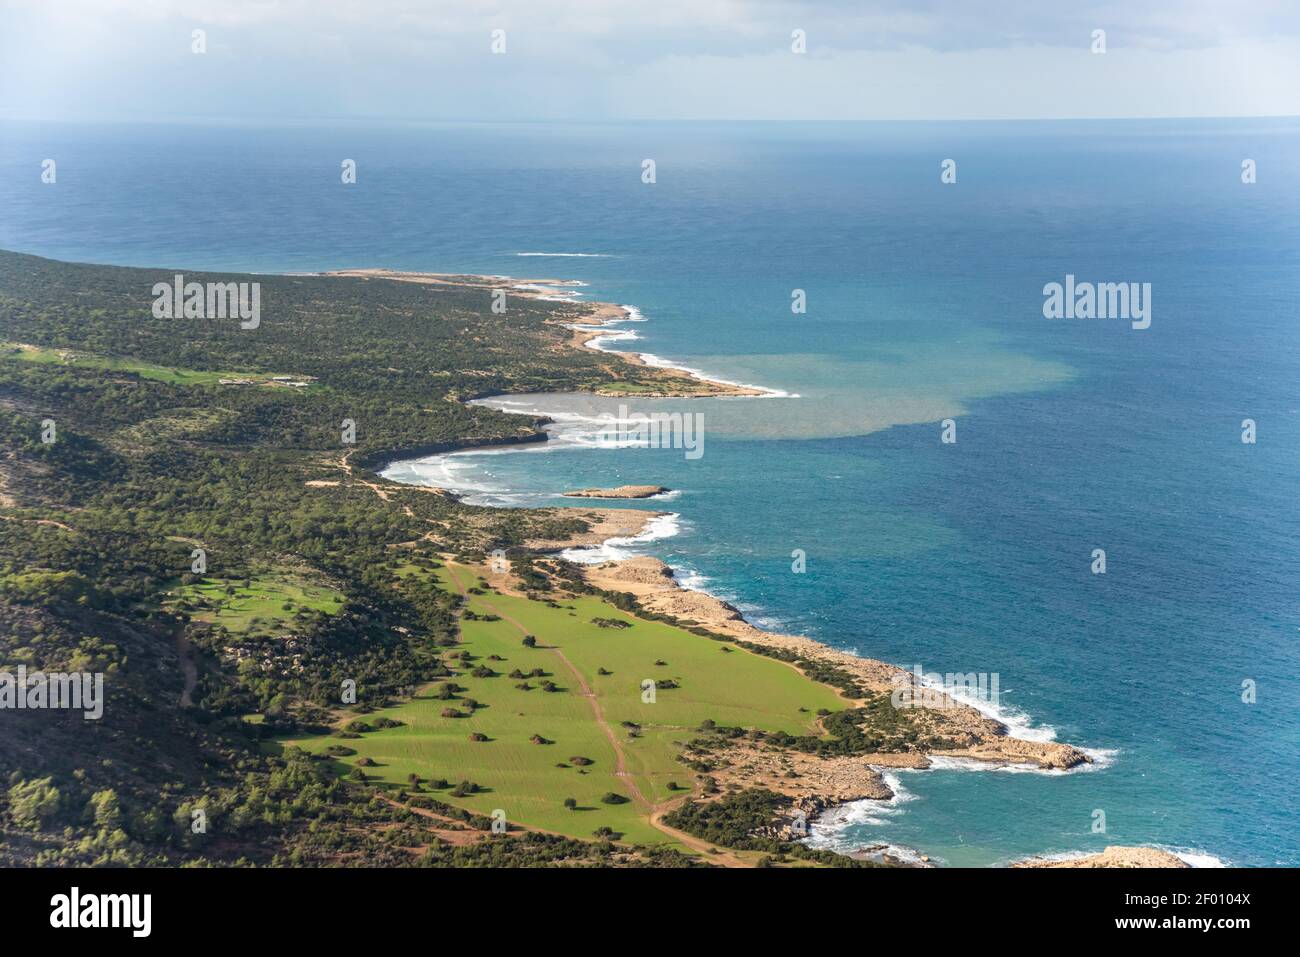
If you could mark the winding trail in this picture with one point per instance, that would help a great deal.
(38, 521)
(654, 812)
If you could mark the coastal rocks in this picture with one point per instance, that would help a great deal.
(623, 491)
(637, 571)
(887, 854)
(968, 733)
(807, 778)
(1048, 755)
(1114, 856)
(792, 822)
(605, 523)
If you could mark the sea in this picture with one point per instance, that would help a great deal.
(1104, 516)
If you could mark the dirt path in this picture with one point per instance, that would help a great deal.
(711, 852)
(185, 651)
(38, 521)
(384, 492)
(654, 812)
(455, 836)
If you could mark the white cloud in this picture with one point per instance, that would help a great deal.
(647, 59)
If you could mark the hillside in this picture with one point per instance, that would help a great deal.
(199, 532)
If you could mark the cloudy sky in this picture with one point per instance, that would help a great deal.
(649, 59)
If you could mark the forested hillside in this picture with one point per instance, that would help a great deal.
(125, 460)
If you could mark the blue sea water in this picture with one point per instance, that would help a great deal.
(924, 303)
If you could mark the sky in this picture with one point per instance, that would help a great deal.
(619, 60)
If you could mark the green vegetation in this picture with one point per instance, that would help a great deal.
(733, 821)
(524, 779)
(248, 605)
(326, 612)
(145, 370)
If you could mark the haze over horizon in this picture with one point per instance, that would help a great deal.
(670, 60)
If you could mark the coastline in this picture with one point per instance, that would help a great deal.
(590, 323)
(590, 331)
(984, 740)
(1113, 856)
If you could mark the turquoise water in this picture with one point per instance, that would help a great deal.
(924, 303)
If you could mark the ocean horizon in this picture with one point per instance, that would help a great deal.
(924, 306)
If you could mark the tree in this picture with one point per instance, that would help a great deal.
(34, 803)
(106, 809)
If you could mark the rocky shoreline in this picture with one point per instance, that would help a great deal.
(982, 738)
(814, 783)
(606, 523)
(1115, 856)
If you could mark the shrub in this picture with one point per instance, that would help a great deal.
(34, 803)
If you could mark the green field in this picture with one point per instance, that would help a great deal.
(170, 374)
(522, 778)
(258, 603)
